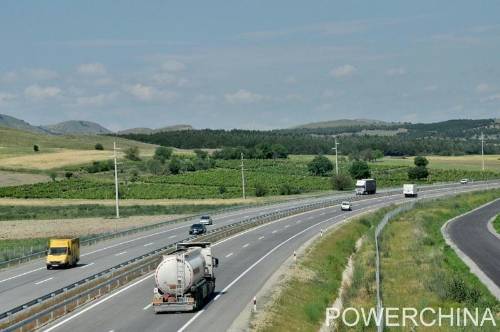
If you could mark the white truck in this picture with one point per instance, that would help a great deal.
(410, 190)
(185, 279)
(366, 187)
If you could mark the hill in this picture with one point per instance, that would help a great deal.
(8, 121)
(344, 123)
(149, 131)
(77, 127)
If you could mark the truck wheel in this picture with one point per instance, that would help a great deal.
(49, 267)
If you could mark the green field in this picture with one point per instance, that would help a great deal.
(223, 181)
(496, 224)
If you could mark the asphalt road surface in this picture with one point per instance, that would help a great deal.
(247, 260)
(471, 235)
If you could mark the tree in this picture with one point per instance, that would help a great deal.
(359, 170)
(366, 155)
(163, 153)
(154, 166)
(320, 165)
(421, 161)
(99, 146)
(260, 190)
(174, 165)
(418, 173)
(132, 153)
(378, 154)
(201, 154)
(68, 175)
(342, 182)
(36, 148)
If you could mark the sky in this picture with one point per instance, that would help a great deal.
(248, 64)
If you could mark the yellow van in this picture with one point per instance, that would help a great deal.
(63, 252)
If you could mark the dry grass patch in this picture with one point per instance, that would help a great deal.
(16, 179)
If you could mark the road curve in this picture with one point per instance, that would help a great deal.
(469, 232)
(247, 260)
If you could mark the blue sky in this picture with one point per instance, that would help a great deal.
(248, 64)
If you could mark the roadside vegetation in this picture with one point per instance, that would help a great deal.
(496, 224)
(315, 281)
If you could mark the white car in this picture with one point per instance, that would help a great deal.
(464, 181)
(345, 206)
(206, 220)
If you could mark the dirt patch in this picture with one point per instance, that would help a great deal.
(24, 229)
(16, 179)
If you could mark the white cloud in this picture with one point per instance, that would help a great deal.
(41, 74)
(398, 71)
(150, 93)
(6, 97)
(92, 69)
(173, 66)
(40, 92)
(164, 78)
(483, 87)
(243, 97)
(97, 100)
(343, 71)
(492, 98)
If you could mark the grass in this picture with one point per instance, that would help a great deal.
(301, 304)
(89, 211)
(467, 162)
(496, 224)
(418, 268)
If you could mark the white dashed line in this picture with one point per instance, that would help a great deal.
(229, 255)
(286, 226)
(260, 238)
(87, 265)
(42, 281)
(22, 274)
(246, 245)
(172, 236)
(148, 244)
(120, 253)
(148, 306)
(273, 231)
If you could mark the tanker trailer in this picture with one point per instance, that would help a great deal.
(185, 279)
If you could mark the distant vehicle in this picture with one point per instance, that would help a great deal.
(464, 181)
(185, 279)
(206, 220)
(197, 229)
(410, 190)
(63, 252)
(345, 206)
(366, 187)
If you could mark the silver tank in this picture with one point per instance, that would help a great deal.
(166, 272)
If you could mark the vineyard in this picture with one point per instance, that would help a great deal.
(223, 181)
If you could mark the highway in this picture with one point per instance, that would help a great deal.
(247, 260)
(21, 284)
(471, 235)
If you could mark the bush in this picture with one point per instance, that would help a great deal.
(99, 146)
(342, 182)
(260, 190)
(359, 170)
(68, 175)
(320, 165)
(100, 166)
(418, 173)
(286, 189)
(133, 153)
(222, 190)
(201, 154)
(36, 148)
(174, 166)
(53, 176)
(155, 166)
(421, 161)
(163, 153)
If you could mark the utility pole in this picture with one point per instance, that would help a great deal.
(243, 176)
(336, 156)
(116, 182)
(482, 150)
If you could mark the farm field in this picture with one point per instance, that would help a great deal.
(223, 181)
(16, 178)
(470, 162)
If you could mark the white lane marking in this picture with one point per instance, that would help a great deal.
(273, 231)
(191, 320)
(87, 265)
(120, 253)
(172, 236)
(229, 255)
(247, 216)
(148, 306)
(132, 240)
(246, 245)
(84, 310)
(148, 244)
(260, 238)
(286, 226)
(22, 274)
(298, 221)
(44, 280)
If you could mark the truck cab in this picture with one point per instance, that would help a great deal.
(63, 252)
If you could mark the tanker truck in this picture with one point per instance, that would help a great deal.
(185, 279)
